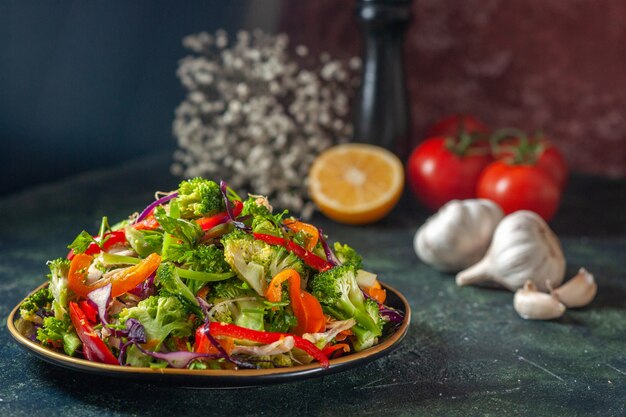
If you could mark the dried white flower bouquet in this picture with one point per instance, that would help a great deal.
(257, 115)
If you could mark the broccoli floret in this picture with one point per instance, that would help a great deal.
(160, 316)
(340, 296)
(228, 290)
(55, 332)
(278, 318)
(283, 259)
(348, 256)
(262, 219)
(239, 313)
(256, 262)
(223, 315)
(282, 360)
(256, 205)
(41, 299)
(199, 197)
(205, 258)
(59, 268)
(249, 258)
(168, 279)
(265, 225)
(243, 313)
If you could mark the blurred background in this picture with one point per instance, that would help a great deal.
(89, 84)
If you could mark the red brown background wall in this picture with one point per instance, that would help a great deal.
(556, 65)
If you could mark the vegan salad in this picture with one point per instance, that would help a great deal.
(202, 279)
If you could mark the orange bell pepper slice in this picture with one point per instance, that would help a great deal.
(306, 307)
(121, 282)
(309, 229)
(149, 223)
(376, 292)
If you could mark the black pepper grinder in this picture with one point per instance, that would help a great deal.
(381, 115)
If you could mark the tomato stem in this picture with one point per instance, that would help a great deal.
(524, 151)
(462, 143)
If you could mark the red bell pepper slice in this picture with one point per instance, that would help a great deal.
(207, 223)
(89, 310)
(94, 348)
(334, 351)
(110, 239)
(237, 208)
(309, 258)
(237, 332)
(202, 343)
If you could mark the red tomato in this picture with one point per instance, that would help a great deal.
(437, 174)
(519, 187)
(538, 152)
(553, 163)
(453, 125)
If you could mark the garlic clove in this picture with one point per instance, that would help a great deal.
(522, 248)
(476, 273)
(578, 291)
(530, 286)
(531, 304)
(458, 235)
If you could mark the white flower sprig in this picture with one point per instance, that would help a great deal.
(257, 116)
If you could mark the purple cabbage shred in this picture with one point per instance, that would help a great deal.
(390, 314)
(229, 208)
(145, 289)
(330, 256)
(154, 204)
(135, 332)
(205, 307)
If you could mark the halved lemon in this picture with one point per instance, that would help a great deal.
(356, 183)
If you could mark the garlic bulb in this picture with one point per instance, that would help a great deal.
(458, 235)
(523, 248)
(534, 305)
(578, 291)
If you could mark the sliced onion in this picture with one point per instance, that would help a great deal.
(278, 347)
(179, 359)
(332, 330)
(365, 279)
(156, 203)
(101, 298)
